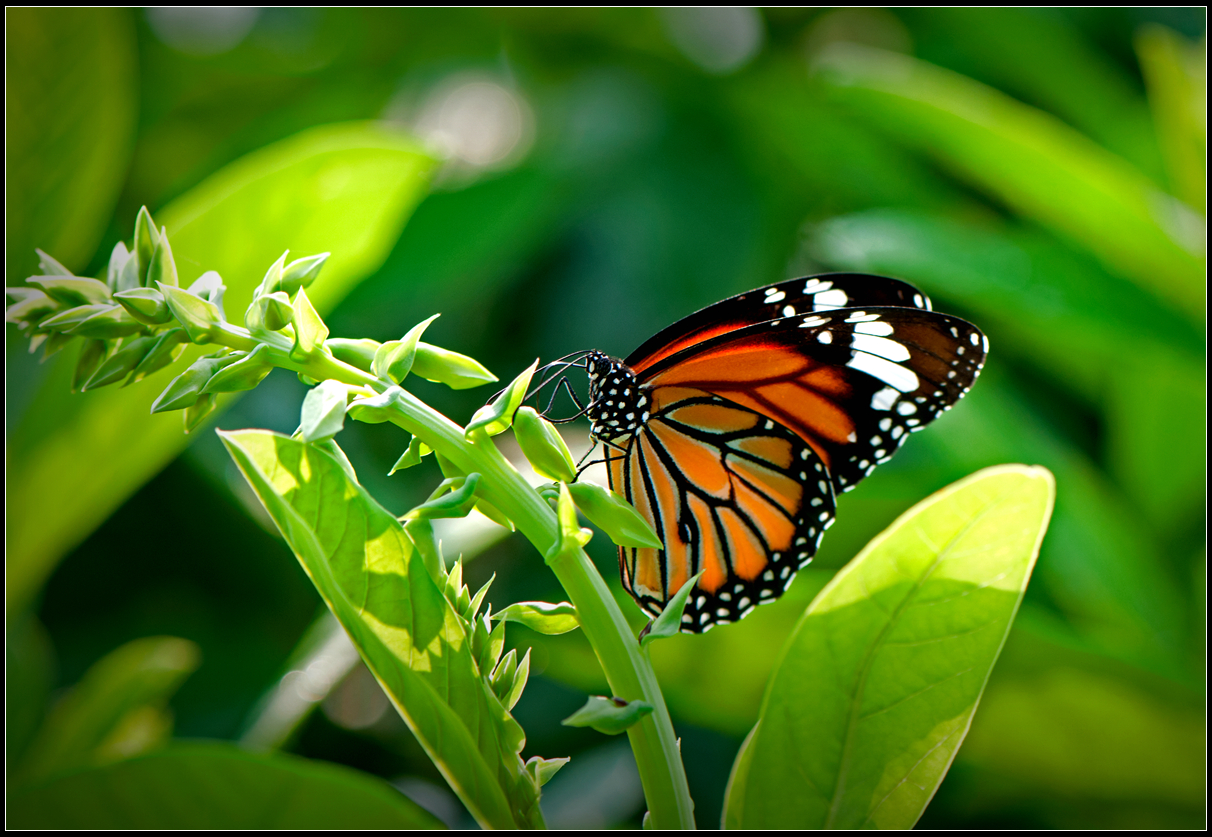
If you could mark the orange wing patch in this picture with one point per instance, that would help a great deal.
(721, 486)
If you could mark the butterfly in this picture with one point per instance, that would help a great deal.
(733, 430)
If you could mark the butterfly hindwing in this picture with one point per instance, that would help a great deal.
(852, 383)
(806, 295)
(731, 493)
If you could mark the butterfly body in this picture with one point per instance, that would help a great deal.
(733, 430)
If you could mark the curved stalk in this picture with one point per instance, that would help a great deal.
(627, 668)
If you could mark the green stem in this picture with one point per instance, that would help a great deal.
(627, 669)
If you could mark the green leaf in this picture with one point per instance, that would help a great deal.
(443, 366)
(879, 682)
(29, 676)
(669, 623)
(406, 630)
(341, 188)
(543, 446)
(80, 730)
(302, 272)
(393, 360)
(613, 515)
(323, 413)
(412, 456)
(1175, 72)
(542, 617)
(572, 536)
(1039, 166)
(71, 102)
(543, 769)
(310, 331)
(496, 416)
(608, 715)
(216, 786)
(457, 503)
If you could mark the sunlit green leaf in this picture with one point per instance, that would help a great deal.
(366, 569)
(216, 785)
(71, 103)
(878, 684)
(542, 617)
(608, 715)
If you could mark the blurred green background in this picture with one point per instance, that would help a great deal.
(1040, 172)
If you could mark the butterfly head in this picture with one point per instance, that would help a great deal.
(618, 403)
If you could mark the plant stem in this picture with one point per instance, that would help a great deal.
(627, 669)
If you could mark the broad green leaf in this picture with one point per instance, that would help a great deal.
(106, 715)
(1072, 725)
(216, 785)
(1039, 166)
(71, 101)
(1176, 74)
(342, 188)
(877, 686)
(29, 675)
(377, 586)
(1040, 56)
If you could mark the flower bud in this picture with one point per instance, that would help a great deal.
(197, 412)
(113, 271)
(310, 331)
(543, 446)
(165, 350)
(109, 324)
(67, 321)
(497, 416)
(357, 353)
(195, 314)
(302, 272)
(91, 356)
(146, 239)
(613, 515)
(323, 413)
(244, 374)
(146, 305)
(442, 366)
(72, 290)
(185, 389)
(162, 270)
(393, 360)
(121, 363)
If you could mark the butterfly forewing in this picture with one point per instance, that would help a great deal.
(805, 295)
(731, 493)
(852, 383)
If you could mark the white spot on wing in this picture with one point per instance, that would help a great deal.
(825, 337)
(893, 374)
(884, 399)
(827, 300)
(881, 346)
(879, 329)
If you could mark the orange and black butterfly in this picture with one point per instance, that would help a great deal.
(733, 430)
